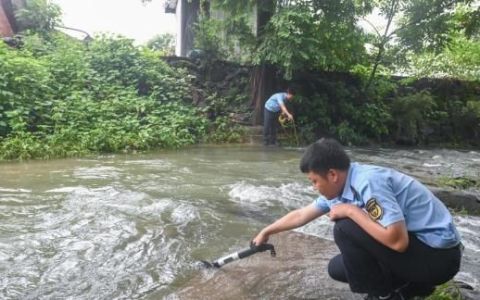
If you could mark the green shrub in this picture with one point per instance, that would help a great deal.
(411, 113)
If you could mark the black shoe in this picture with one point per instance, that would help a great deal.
(411, 290)
(393, 296)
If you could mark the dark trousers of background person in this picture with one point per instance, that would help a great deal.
(370, 267)
(270, 124)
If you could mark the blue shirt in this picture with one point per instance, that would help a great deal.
(389, 196)
(273, 103)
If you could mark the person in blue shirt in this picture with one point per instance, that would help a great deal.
(273, 107)
(396, 239)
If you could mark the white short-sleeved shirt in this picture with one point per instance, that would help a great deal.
(275, 101)
(389, 196)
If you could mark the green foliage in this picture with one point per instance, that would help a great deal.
(426, 28)
(371, 119)
(124, 121)
(236, 7)
(454, 118)
(341, 110)
(458, 182)
(164, 43)
(67, 61)
(297, 38)
(22, 145)
(289, 41)
(24, 92)
(425, 24)
(223, 130)
(39, 16)
(238, 38)
(62, 98)
(160, 80)
(289, 129)
(467, 18)
(459, 59)
(115, 60)
(473, 107)
(324, 35)
(207, 37)
(410, 113)
(347, 135)
(298, 34)
(313, 112)
(446, 291)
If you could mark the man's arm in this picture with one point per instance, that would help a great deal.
(394, 236)
(293, 219)
(285, 111)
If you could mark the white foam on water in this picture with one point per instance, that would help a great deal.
(183, 214)
(7, 190)
(158, 206)
(68, 189)
(100, 172)
(288, 194)
(467, 278)
(243, 192)
(431, 165)
(321, 227)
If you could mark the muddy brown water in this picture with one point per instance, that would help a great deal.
(135, 226)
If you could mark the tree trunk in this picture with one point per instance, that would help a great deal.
(262, 84)
(190, 11)
(262, 77)
(383, 41)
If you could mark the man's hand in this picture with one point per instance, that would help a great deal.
(341, 211)
(261, 238)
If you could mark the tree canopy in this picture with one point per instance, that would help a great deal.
(327, 35)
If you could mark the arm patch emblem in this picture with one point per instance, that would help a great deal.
(375, 211)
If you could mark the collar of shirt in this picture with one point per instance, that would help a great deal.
(350, 194)
(348, 191)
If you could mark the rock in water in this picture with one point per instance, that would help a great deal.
(299, 271)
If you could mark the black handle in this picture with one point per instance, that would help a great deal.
(254, 249)
(243, 253)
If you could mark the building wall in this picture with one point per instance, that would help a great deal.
(179, 35)
(5, 28)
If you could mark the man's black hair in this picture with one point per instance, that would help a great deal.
(323, 155)
(291, 90)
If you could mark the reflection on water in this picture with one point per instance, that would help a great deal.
(128, 226)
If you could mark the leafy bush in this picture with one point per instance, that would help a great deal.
(347, 135)
(60, 98)
(24, 92)
(224, 130)
(207, 37)
(299, 39)
(164, 43)
(410, 113)
(38, 16)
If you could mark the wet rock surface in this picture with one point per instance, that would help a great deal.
(299, 271)
(459, 200)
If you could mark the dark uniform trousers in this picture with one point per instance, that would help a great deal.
(370, 267)
(270, 124)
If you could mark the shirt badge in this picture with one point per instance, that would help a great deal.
(375, 211)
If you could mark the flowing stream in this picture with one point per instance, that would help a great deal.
(134, 226)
